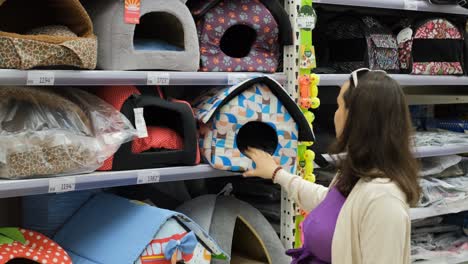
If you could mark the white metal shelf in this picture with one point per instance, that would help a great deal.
(97, 77)
(427, 151)
(412, 5)
(403, 79)
(450, 259)
(97, 180)
(449, 208)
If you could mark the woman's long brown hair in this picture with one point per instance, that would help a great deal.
(376, 136)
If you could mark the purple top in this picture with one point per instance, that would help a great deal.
(318, 229)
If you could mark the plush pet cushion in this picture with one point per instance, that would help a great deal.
(51, 33)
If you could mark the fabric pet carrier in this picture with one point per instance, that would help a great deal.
(54, 132)
(255, 113)
(240, 229)
(369, 44)
(49, 33)
(171, 129)
(241, 35)
(134, 232)
(165, 38)
(431, 47)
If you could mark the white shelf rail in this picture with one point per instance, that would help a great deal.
(96, 77)
(97, 180)
(410, 5)
(403, 79)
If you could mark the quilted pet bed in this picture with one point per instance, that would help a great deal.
(165, 38)
(51, 33)
(43, 132)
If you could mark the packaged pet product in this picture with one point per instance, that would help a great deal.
(369, 44)
(55, 132)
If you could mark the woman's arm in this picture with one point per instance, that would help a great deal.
(306, 194)
(385, 232)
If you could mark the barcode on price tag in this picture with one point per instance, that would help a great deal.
(140, 123)
(158, 78)
(62, 184)
(235, 78)
(411, 5)
(40, 78)
(145, 177)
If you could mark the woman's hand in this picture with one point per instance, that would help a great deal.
(265, 165)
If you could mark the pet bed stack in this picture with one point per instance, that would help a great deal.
(241, 35)
(44, 132)
(165, 38)
(44, 33)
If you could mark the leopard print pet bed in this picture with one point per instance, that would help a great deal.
(56, 33)
(47, 132)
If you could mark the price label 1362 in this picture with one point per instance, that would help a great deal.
(150, 176)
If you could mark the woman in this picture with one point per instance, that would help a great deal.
(364, 216)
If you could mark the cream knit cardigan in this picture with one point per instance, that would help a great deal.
(373, 226)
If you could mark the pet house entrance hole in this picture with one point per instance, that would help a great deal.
(165, 118)
(237, 41)
(159, 31)
(246, 246)
(259, 135)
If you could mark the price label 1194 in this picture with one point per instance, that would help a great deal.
(158, 78)
(150, 176)
(40, 78)
(62, 184)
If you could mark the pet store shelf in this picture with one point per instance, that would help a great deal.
(413, 5)
(427, 151)
(448, 259)
(449, 208)
(90, 78)
(403, 79)
(96, 180)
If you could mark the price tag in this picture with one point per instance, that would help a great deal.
(411, 5)
(145, 177)
(236, 78)
(62, 184)
(40, 78)
(405, 35)
(158, 78)
(140, 123)
(132, 12)
(306, 22)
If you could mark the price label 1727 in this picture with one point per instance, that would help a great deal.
(158, 78)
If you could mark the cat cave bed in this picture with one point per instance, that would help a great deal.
(241, 35)
(171, 133)
(240, 229)
(165, 38)
(255, 113)
(50, 33)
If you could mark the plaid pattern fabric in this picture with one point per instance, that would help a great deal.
(219, 126)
